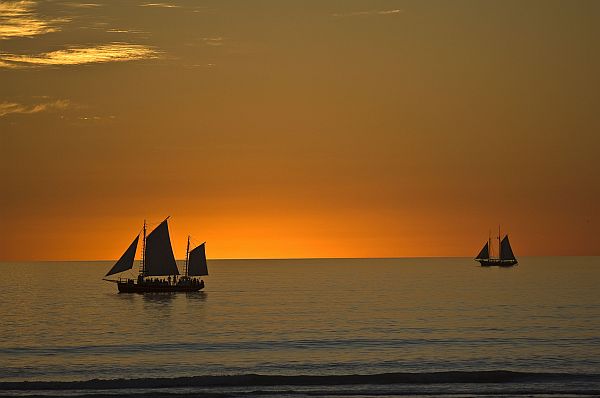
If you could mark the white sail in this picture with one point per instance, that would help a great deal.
(197, 261)
(506, 252)
(159, 259)
(126, 260)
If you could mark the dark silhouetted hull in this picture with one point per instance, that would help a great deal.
(149, 288)
(493, 262)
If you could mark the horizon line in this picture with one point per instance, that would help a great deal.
(297, 258)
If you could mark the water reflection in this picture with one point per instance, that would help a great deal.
(159, 298)
(128, 298)
(196, 296)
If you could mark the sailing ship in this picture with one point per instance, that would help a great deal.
(506, 257)
(157, 262)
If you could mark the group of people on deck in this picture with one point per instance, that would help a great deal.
(186, 280)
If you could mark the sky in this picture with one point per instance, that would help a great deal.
(279, 129)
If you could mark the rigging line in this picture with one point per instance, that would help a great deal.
(196, 242)
(140, 231)
(152, 224)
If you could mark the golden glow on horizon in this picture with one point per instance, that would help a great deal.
(292, 130)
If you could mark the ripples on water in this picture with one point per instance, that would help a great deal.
(60, 321)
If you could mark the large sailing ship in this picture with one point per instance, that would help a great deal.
(505, 258)
(158, 270)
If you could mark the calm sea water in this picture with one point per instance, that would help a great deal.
(61, 322)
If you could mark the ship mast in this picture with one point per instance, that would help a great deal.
(142, 267)
(187, 256)
(490, 243)
(499, 248)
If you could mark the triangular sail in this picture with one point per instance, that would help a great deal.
(484, 253)
(506, 252)
(126, 260)
(197, 261)
(159, 259)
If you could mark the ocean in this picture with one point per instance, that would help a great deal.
(306, 327)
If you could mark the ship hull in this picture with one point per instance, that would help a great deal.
(494, 262)
(148, 288)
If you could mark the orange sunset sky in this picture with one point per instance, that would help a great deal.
(299, 129)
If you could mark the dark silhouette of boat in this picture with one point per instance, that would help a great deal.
(158, 270)
(506, 257)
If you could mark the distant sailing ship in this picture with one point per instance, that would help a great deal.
(506, 257)
(158, 261)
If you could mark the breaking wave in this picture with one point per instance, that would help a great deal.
(258, 380)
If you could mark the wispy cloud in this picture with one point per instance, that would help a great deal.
(160, 5)
(131, 31)
(213, 41)
(114, 52)
(6, 65)
(6, 108)
(371, 12)
(19, 19)
(82, 5)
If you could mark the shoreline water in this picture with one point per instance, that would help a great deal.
(436, 384)
(255, 380)
(497, 383)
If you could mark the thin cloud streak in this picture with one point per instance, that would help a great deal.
(213, 41)
(19, 19)
(372, 12)
(82, 5)
(130, 31)
(7, 108)
(160, 5)
(114, 52)
(7, 65)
